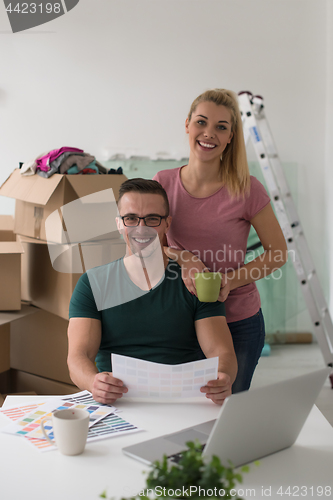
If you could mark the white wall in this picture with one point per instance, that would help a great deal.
(113, 74)
(329, 149)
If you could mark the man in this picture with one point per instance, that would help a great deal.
(138, 306)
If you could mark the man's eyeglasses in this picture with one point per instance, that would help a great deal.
(149, 220)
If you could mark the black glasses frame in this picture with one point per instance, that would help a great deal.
(161, 217)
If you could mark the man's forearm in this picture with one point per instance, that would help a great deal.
(227, 361)
(215, 340)
(82, 371)
(228, 364)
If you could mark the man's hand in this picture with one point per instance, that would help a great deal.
(225, 288)
(217, 390)
(107, 389)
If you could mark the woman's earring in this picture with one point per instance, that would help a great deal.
(221, 157)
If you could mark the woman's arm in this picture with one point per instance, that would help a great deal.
(191, 264)
(275, 253)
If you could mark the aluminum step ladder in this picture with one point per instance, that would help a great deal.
(257, 130)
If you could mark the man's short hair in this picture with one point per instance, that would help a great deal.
(144, 186)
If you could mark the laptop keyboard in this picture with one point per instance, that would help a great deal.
(177, 456)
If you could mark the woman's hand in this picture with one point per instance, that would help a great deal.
(190, 265)
(225, 288)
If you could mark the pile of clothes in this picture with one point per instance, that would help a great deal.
(66, 160)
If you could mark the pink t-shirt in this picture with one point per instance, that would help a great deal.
(216, 229)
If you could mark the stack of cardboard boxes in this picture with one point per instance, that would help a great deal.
(33, 338)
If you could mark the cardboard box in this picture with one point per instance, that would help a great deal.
(9, 316)
(26, 382)
(7, 228)
(39, 345)
(37, 198)
(5, 379)
(4, 347)
(10, 262)
(5, 319)
(45, 286)
(10, 272)
(41, 284)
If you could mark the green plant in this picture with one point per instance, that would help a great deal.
(192, 477)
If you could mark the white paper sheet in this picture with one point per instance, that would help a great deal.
(157, 381)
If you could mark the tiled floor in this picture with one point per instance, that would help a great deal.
(289, 360)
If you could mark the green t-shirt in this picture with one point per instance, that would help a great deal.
(157, 325)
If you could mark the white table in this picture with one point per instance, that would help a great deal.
(26, 474)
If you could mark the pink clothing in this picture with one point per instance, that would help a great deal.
(44, 161)
(216, 229)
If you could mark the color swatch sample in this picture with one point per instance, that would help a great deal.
(19, 411)
(29, 425)
(104, 420)
(145, 379)
(16, 412)
(110, 426)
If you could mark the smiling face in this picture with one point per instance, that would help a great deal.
(142, 239)
(210, 130)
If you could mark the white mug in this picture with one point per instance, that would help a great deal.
(70, 429)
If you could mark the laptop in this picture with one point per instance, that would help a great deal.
(251, 424)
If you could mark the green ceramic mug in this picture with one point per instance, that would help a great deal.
(208, 286)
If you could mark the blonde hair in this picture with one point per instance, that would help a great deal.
(234, 168)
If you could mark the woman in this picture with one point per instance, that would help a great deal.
(214, 201)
